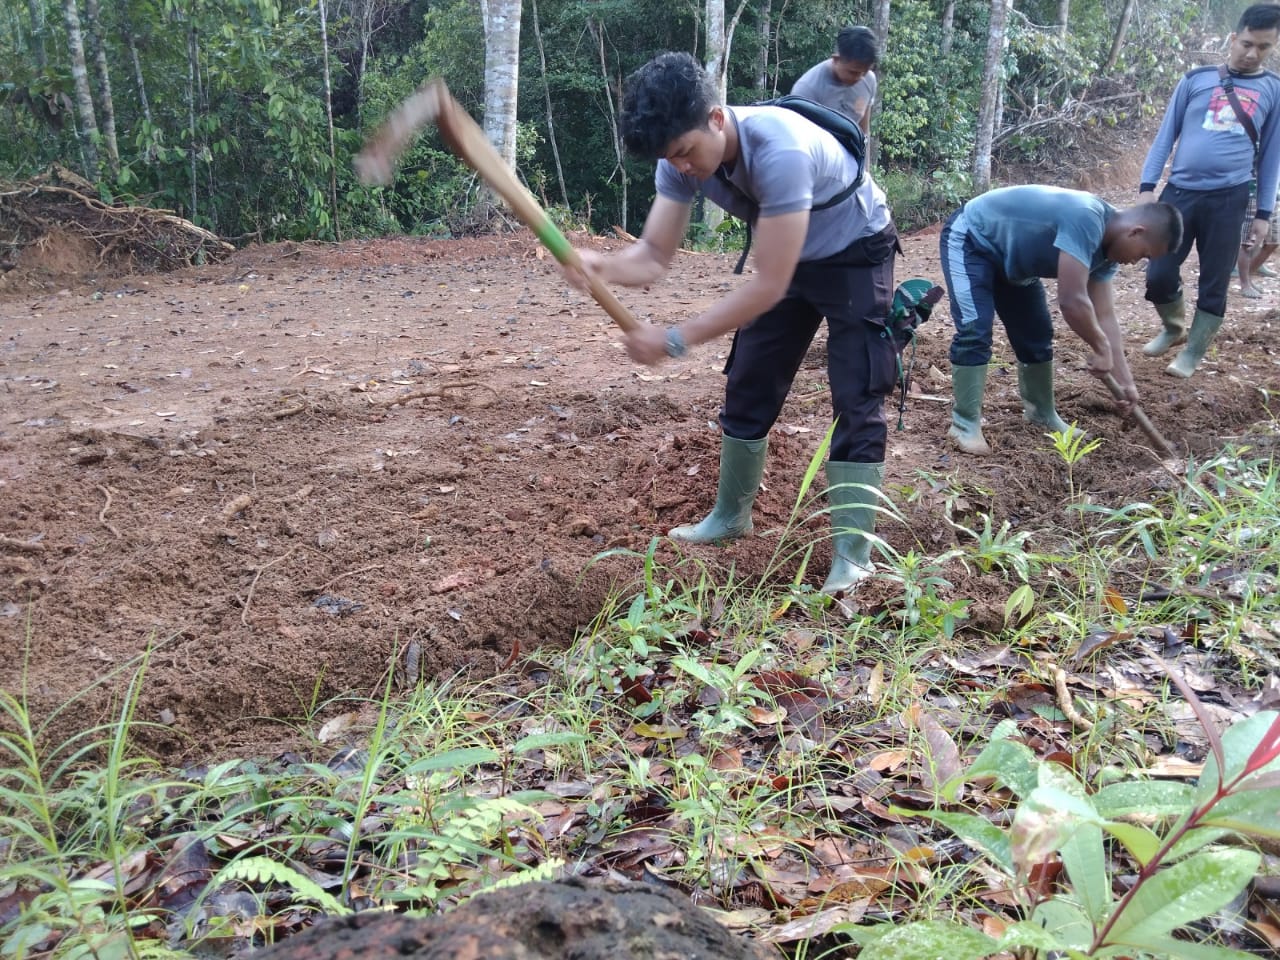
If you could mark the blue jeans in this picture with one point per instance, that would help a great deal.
(979, 291)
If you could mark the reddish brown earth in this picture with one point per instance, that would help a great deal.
(212, 464)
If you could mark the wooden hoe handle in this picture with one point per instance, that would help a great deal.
(433, 103)
(1140, 418)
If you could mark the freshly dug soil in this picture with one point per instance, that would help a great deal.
(211, 465)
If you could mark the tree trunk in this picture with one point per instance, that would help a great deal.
(193, 69)
(546, 90)
(948, 27)
(762, 62)
(87, 127)
(1064, 15)
(992, 74)
(328, 110)
(597, 34)
(36, 9)
(132, 43)
(880, 28)
(501, 74)
(106, 104)
(1117, 42)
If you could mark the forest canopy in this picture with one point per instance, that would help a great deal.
(243, 115)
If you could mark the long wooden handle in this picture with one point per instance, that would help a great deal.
(433, 102)
(1140, 418)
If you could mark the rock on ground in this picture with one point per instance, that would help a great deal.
(537, 921)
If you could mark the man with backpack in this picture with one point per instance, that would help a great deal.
(995, 250)
(1225, 121)
(770, 165)
(846, 81)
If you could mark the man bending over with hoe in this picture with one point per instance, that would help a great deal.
(995, 250)
(775, 169)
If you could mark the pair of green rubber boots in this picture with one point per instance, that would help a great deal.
(1035, 385)
(853, 492)
(1173, 317)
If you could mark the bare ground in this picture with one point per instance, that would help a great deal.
(213, 464)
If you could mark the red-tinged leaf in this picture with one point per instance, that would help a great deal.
(636, 689)
(515, 654)
(815, 924)
(1268, 748)
(1114, 601)
(763, 716)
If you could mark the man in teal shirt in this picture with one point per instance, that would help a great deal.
(996, 249)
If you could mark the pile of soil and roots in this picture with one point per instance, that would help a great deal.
(54, 226)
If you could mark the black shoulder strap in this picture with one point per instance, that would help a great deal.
(1246, 121)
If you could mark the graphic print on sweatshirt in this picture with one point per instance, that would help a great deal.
(1222, 118)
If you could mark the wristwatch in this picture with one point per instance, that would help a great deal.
(676, 347)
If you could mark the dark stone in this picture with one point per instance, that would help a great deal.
(566, 920)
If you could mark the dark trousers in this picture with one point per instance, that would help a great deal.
(979, 291)
(1211, 220)
(853, 290)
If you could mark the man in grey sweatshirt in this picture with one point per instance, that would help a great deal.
(1213, 164)
(846, 81)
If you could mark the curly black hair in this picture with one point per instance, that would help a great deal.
(662, 101)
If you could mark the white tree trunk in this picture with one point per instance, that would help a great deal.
(107, 106)
(948, 27)
(87, 127)
(36, 9)
(501, 74)
(881, 25)
(1064, 15)
(766, 34)
(992, 77)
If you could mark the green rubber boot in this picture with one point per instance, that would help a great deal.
(967, 384)
(852, 495)
(1035, 386)
(1204, 327)
(741, 469)
(1174, 317)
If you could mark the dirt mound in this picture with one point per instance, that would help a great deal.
(58, 233)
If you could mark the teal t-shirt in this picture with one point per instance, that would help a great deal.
(1027, 227)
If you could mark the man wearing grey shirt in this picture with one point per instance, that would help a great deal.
(845, 82)
(776, 169)
(1213, 163)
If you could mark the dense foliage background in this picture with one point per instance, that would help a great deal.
(221, 108)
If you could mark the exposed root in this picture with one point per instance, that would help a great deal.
(429, 392)
(102, 514)
(1065, 702)
(20, 546)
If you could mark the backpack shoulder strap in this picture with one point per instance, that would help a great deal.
(1246, 121)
